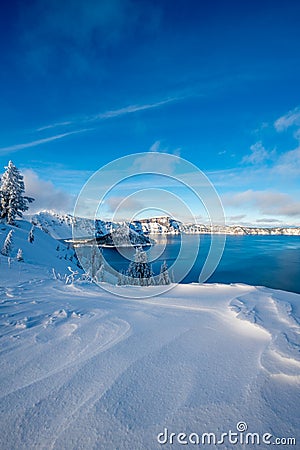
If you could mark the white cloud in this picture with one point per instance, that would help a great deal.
(288, 163)
(258, 154)
(131, 109)
(128, 204)
(98, 117)
(158, 147)
(111, 114)
(264, 202)
(149, 162)
(237, 217)
(16, 147)
(155, 147)
(290, 119)
(265, 220)
(54, 125)
(297, 135)
(46, 196)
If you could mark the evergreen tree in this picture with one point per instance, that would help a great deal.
(139, 270)
(100, 273)
(31, 235)
(95, 261)
(122, 278)
(164, 277)
(7, 246)
(12, 199)
(20, 255)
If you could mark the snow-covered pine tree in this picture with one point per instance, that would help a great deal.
(7, 246)
(12, 199)
(20, 255)
(31, 235)
(95, 261)
(164, 277)
(119, 282)
(122, 279)
(139, 270)
(100, 273)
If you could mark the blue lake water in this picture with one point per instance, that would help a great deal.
(272, 261)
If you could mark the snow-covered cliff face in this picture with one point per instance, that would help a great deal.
(60, 227)
(107, 233)
(159, 225)
(123, 235)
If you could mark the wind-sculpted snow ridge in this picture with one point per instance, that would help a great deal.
(82, 369)
(59, 339)
(281, 320)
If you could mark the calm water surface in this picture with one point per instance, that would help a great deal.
(272, 261)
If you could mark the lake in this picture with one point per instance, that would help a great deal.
(272, 261)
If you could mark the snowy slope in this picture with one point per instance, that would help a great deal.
(61, 227)
(44, 251)
(83, 369)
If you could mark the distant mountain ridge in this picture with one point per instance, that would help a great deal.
(60, 226)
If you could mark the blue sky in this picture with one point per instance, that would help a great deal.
(83, 83)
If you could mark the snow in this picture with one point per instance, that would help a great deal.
(83, 369)
(60, 226)
(44, 251)
(109, 234)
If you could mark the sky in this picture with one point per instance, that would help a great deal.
(215, 83)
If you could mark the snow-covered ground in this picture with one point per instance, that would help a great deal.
(83, 369)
